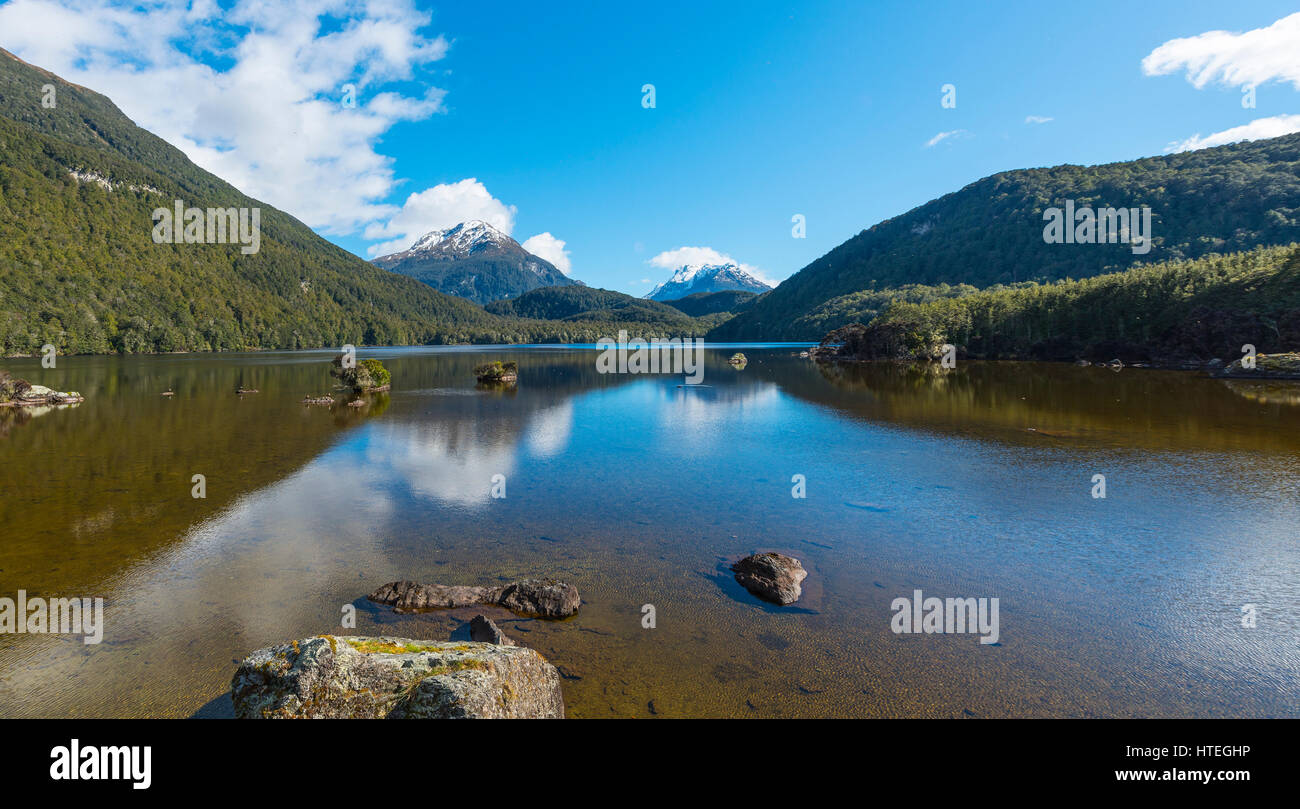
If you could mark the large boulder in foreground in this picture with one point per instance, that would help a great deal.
(337, 677)
(771, 576)
(545, 598)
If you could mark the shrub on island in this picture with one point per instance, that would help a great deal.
(364, 376)
(497, 372)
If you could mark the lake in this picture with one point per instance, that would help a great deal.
(971, 483)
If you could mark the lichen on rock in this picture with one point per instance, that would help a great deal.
(339, 677)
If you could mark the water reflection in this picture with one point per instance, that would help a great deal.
(638, 490)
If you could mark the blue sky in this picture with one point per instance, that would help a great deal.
(762, 110)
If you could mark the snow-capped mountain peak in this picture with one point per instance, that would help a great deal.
(461, 239)
(689, 279)
(474, 260)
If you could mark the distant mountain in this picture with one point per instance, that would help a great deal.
(475, 261)
(711, 303)
(690, 279)
(1219, 200)
(79, 268)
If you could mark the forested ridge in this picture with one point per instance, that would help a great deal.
(79, 268)
(1220, 200)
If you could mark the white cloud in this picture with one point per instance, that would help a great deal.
(672, 259)
(1260, 128)
(1233, 59)
(438, 208)
(942, 136)
(550, 248)
(268, 118)
(1038, 119)
(680, 257)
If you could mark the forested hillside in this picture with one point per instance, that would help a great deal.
(1220, 200)
(580, 303)
(1177, 311)
(712, 303)
(79, 268)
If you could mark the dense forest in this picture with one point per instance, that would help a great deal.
(1220, 200)
(79, 268)
(1176, 311)
(571, 303)
(713, 303)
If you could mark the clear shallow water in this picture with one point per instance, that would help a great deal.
(639, 491)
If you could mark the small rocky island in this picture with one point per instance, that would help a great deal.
(362, 376)
(1267, 366)
(497, 372)
(337, 677)
(15, 392)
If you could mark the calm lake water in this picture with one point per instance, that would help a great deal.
(971, 483)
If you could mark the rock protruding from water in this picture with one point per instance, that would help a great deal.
(545, 598)
(484, 630)
(773, 577)
(21, 393)
(335, 677)
(1265, 366)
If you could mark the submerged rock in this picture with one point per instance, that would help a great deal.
(482, 629)
(771, 576)
(335, 677)
(546, 598)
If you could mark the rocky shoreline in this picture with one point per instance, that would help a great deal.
(840, 346)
